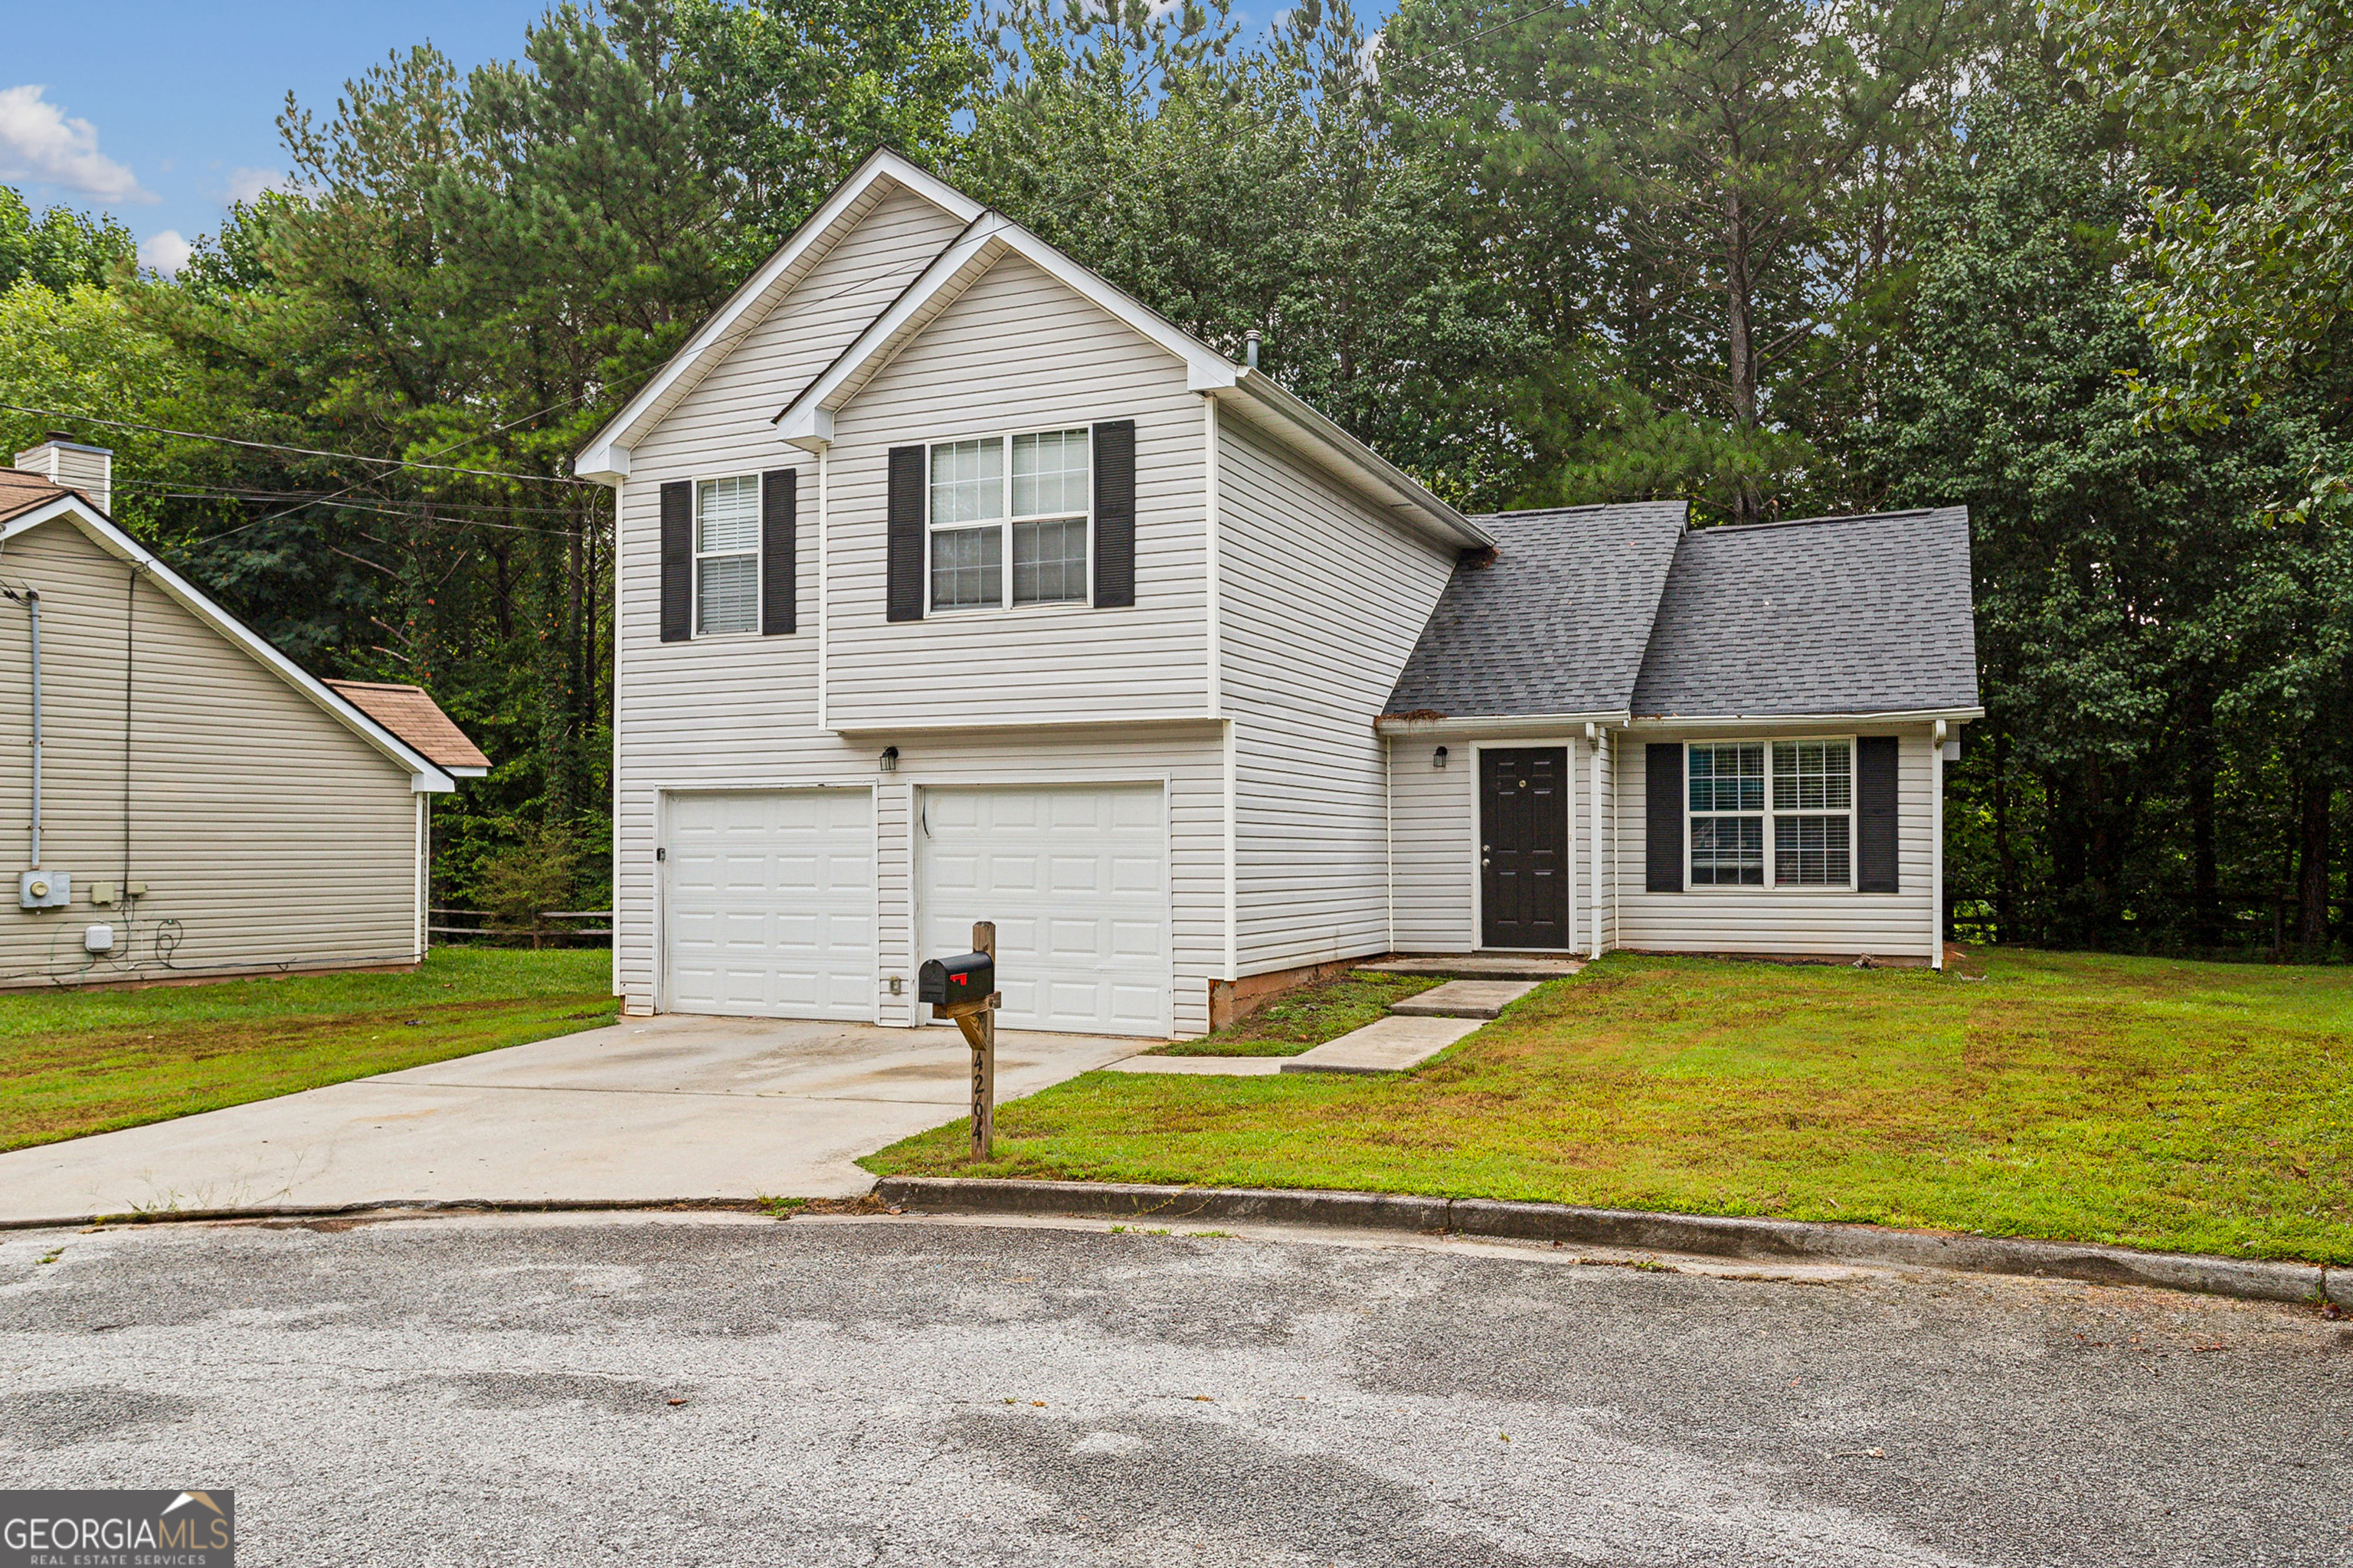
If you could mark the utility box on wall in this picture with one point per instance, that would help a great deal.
(44, 890)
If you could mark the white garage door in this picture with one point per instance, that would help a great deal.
(1077, 881)
(772, 903)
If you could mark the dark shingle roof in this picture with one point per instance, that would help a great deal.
(1831, 615)
(1555, 625)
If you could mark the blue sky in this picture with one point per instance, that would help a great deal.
(161, 114)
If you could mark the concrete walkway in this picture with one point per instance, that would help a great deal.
(644, 1111)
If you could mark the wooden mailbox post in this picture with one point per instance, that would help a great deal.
(977, 1020)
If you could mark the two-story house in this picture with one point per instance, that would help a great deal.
(955, 584)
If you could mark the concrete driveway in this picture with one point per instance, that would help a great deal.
(649, 1110)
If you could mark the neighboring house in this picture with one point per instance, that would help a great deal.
(205, 809)
(956, 585)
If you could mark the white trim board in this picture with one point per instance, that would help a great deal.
(423, 776)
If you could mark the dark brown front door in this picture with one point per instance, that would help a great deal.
(1523, 848)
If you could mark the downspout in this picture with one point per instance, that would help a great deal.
(32, 603)
(1937, 846)
(1593, 735)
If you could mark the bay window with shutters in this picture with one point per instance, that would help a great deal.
(1772, 813)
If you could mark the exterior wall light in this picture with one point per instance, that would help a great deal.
(890, 759)
(1438, 758)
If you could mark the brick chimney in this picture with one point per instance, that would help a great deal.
(61, 460)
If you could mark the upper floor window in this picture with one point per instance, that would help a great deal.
(727, 556)
(1806, 814)
(1022, 500)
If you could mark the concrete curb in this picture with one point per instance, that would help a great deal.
(384, 1206)
(1709, 1236)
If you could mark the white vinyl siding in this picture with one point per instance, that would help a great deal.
(1322, 601)
(270, 836)
(727, 711)
(1433, 845)
(1434, 840)
(1017, 353)
(1777, 919)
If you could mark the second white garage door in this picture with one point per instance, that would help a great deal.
(1077, 881)
(771, 911)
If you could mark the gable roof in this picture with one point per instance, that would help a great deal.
(22, 508)
(988, 237)
(1554, 626)
(607, 455)
(1819, 616)
(410, 712)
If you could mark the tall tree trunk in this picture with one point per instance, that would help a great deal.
(2312, 864)
(1739, 345)
(2205, 894)
(2005, 886)
(2063, 822)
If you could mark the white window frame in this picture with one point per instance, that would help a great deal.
(758, 553)
(1770, 885)
(1005, 522)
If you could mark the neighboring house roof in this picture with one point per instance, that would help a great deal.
(1820, 616)
(28, 501)
(21, 493)
(1554, 625)
(410, 712)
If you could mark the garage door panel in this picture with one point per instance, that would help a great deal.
(1074, 879)
(771, 902)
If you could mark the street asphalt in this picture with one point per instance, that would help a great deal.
(730, 1389)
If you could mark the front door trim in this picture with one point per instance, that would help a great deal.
(1565, 848)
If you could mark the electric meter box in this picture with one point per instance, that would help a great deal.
(44, 890)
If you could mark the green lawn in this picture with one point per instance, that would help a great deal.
(1305, 1017)
(79, 1062)
(2203, 1108)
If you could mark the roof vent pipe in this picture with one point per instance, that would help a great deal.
(1249, 348)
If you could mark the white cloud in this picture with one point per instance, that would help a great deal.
(165, 251)
(39, 145)
(244, 184)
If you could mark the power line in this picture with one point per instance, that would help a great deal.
(315, 451)
(173, 490)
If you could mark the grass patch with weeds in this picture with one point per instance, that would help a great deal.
(1307, 1016)
(2145, 1102)
(73, 1062)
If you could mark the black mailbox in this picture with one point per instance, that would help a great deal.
(945, 983)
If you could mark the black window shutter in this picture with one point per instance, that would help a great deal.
(903, 579)
(677, 560)
(1874, 813)
(779, 564)
(1116, 514)
(1663, 819)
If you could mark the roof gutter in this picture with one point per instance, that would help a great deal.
(1510, 725)
(1339, 449)
(1778, 721)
